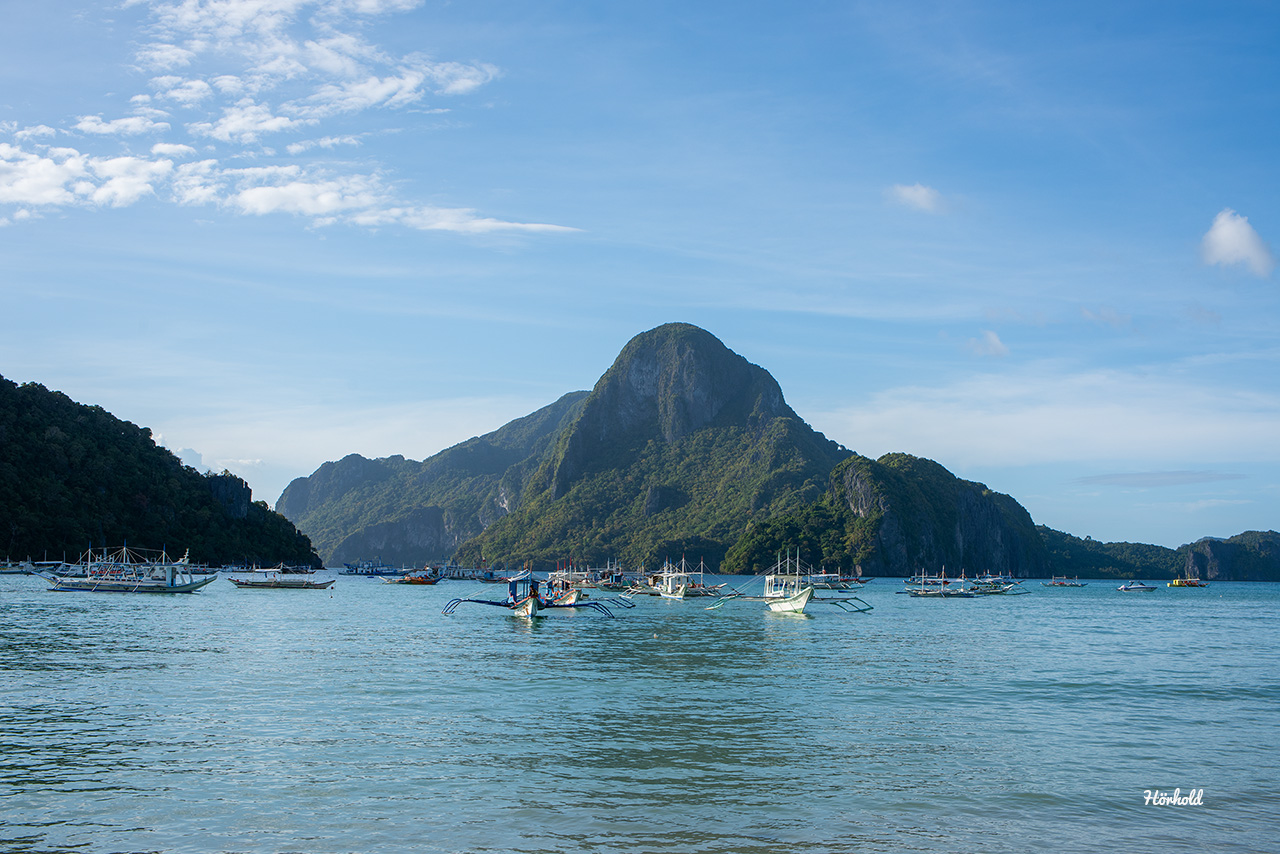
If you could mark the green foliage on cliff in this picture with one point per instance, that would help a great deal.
(75, 476)
(898, 515)
(642, 505)
(681, 444)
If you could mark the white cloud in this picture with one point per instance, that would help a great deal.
(244, 123)
(170, 149)
(32, 179)
(164, 57)
(1232, 240)
(307, 57)
(125, 180)
(310, 198)
(453, 78)
(352, 96)
(917, 196)
(325, 142)
(32, 132)
(199, 183)
(131, 126)
(185, 92)
(988, 345)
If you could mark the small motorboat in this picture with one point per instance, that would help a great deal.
(1136, 587)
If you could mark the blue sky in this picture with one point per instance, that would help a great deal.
(1030, 241)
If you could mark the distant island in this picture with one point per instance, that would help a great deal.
(685, 449)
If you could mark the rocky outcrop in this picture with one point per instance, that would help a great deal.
(917, 516)
(1251, 556)
(680, 441)
(665, 385)
(231, 492)
(411, 511)
(332, 482)
(400, 542)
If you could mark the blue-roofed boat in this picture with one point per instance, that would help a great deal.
(371, 568)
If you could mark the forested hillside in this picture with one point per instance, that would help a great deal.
(74, 476)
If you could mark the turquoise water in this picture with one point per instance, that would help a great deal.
(361, 719)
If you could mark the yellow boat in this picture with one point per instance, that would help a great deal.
(1187, 582)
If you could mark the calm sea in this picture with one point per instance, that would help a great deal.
(361, 719)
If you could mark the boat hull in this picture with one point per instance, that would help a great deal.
(90, 585)
(791, 604)
(281, 584)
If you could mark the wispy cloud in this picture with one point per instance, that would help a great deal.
(1039, 414)
(270, 70)
(917, 197)
(1156, 479)
(1231, 241)
(1106, 316)
(128, 126)
(989, 344)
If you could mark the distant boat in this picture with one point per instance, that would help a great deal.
(996, 585)
(373, 567)
(939, 587)
(281, 577)
(1187, 582)
(130, 571)
(1063, 582)
(424, 576)
(1136, 586)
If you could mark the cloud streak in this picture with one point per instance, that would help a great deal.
(917, 197)
(1157, 479)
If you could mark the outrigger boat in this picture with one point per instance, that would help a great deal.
(938, 588)
(996, 585)
(281, 577)
(424, 576)
(524, 599)
(128, 571)
(787, 589)
(1063, 582)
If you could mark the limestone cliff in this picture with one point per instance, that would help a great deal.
(1251, 556)
(920, 517)
(681, 442)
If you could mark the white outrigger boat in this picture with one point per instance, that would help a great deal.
(281, 577)
(672, 582)
(128, 571)
(787, 590)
